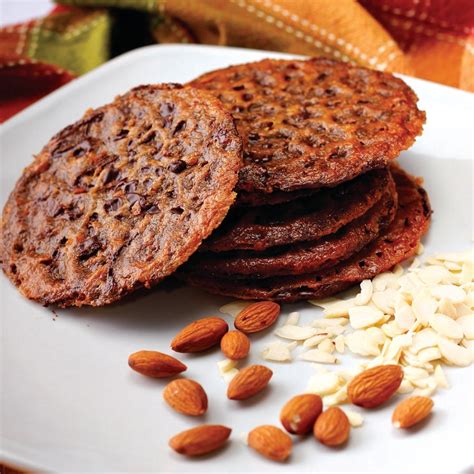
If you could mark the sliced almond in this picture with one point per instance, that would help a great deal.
(364, 316)
(365, 295)
(278, 352)
(234, 308)
(315, 355)
(355, 419)
(467, 324)
(323, 384)
(450, 292)
(296, 333)
(454, 354)
(446, 326)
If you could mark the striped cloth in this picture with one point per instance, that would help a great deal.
(431, 39)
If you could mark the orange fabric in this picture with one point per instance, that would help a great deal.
(432, 39)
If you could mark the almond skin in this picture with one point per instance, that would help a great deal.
(374, 386)
(257, 317)
(200, 335)
(411, 411)
(235, 345)
(155, 364)
(271, 442)
(200, 440)
(248, 382)
(300, 413)
(186, 396)
(332, 427)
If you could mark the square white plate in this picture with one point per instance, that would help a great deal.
(69, 400)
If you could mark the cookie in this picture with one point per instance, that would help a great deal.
(304, 257)
(397, 243)
(121, 198)
(304, 219)
(313, 123)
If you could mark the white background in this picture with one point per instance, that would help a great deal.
(16, 11)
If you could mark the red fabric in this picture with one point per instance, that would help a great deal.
(23, 82)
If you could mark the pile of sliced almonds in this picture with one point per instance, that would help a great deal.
(419, 318)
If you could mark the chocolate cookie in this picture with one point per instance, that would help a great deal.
(121, 198)
(397, 243)
(304, 257)
(310, 218)
(314, 123)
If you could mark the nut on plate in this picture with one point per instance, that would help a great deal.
(155, 364)
(200, 335)
(411, 411)
(186, 396)
(235, 345)
(257, 317)
(271, 442)
(200, 440)
(300, 413)
(248, 382)
(374, 386)
(332, 427)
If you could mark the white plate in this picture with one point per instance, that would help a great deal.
(69, 400)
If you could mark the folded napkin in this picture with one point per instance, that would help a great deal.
(431, 39)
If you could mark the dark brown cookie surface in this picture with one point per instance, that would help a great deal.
(314, 123)
(394, 245)
(304, 257)
(304, 219)
(121, 198)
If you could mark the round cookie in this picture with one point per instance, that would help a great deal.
(305, 219)
(313, 123)
(121, 198)
(304, 257)
(397, 243)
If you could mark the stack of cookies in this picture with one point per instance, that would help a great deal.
(271, 180)
(320, 205)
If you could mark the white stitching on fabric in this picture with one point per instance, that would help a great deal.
(301, 34)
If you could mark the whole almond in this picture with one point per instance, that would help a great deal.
(186, 396)
(332, 427)
(374, 386)
(235, 345)
(257, 316)
(200, 335)
(271, 442)
(248, 382)
(155, 364)
(411, 411)
(300, 413)
(200, 440)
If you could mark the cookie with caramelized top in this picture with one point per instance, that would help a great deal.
(313, 123)
(121, 198)
(399, 241)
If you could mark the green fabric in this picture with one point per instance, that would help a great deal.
(144, 5)
(79, 49)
